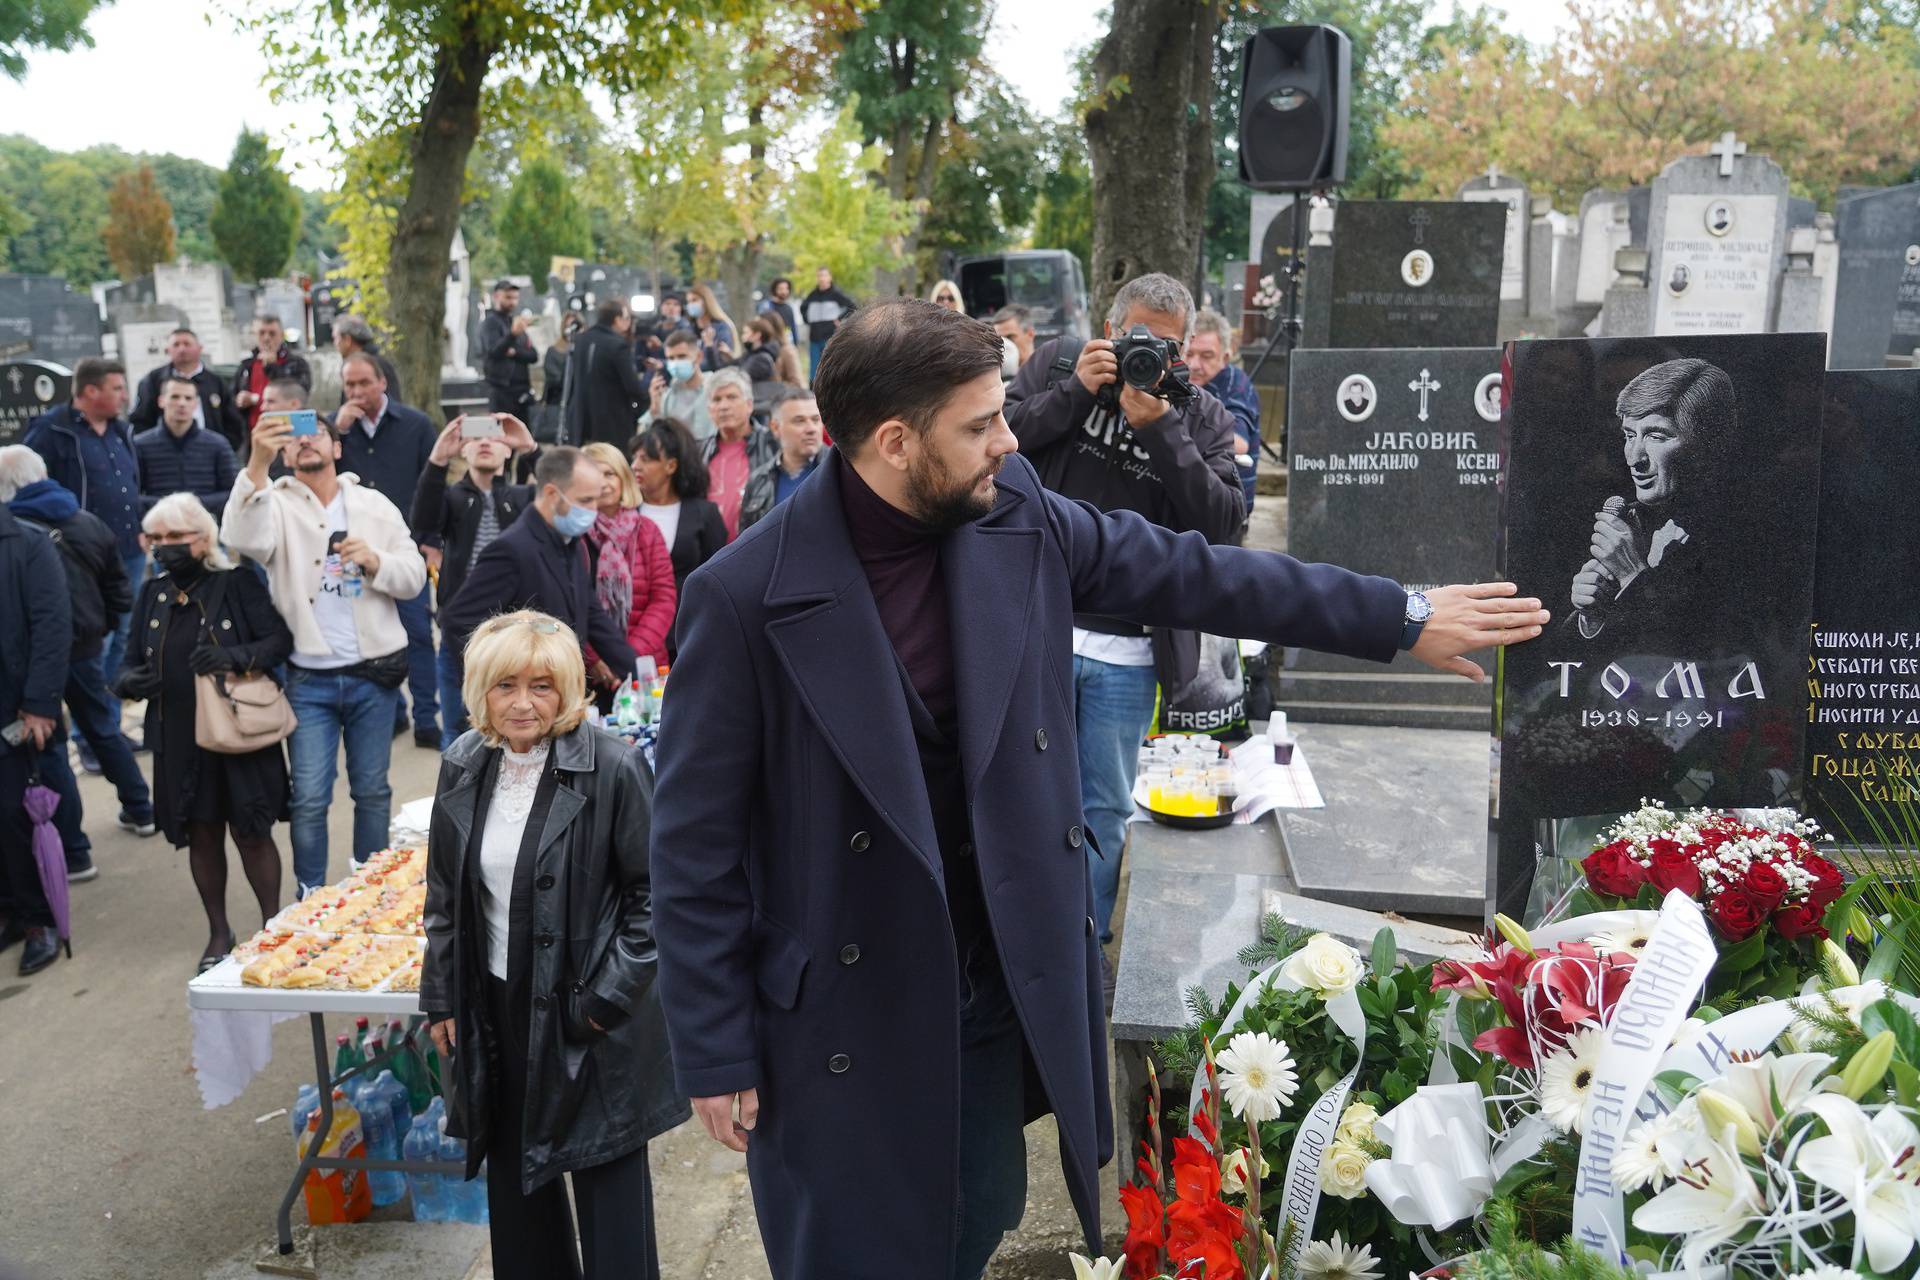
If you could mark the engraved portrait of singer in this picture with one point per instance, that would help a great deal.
(1648, 575)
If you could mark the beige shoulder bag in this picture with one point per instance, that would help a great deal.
(235, 713)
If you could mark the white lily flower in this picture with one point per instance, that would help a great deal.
(1096, 1268)
(1788, 1079)
(1712, 1198)
(1872, 1163)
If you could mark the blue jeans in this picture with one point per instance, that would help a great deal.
(814, 348)
(96, 718)
(1113, 709)
(993, 1151)
(416, 615)
(453, 714)
(116, 649)
(332, 707)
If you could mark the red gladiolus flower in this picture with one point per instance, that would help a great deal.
(1801, 920)
(1200, 1240)
(1673, 869)
(1765, 885)
(1735, 914)
(1146, 1231)
(1612, 871)
(1196, 1174)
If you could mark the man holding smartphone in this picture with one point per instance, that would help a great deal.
(507, 354)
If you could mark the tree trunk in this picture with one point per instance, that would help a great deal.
(1151, 144)
(423, 231)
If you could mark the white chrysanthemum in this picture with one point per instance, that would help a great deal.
(1566, 1077)
(1335, 1260)
(1257, 1078)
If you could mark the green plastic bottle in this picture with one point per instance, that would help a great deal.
(347, 1056)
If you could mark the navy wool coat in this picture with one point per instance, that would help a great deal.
(805, 948)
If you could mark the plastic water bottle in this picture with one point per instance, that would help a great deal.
(459, 1196)
(305, 1103)
(376, 1121)
(423, 1143)
(394, 1094)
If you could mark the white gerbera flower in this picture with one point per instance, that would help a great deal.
(1627, 938)
(1567, 1076)
(1334, 1260)
(1096, 1268)
(1257, 1078)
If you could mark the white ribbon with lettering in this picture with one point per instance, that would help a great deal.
(1300, 1194)
(1660, 995)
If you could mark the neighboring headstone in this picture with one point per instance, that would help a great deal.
(200, 291)
(1904, 347)
(143, 345)
(29, 388)
(286, 299)
(1317, 307)
(1863, 742)
(1270, 231)
(1689, 684)
(1604, 223)
(460, 312)
(1628, 310)
(62, 326)
(1393, 469)
(1718, 230)
(1495, 187)
(1802, 291)
(1415, 274)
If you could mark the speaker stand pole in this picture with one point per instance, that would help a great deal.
(1292, 325)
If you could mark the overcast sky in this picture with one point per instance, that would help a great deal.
(162, 77)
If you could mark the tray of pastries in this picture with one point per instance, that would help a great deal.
(328, 962)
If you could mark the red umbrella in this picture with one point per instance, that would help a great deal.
(50, 855)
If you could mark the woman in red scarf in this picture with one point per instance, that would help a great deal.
(633, 572)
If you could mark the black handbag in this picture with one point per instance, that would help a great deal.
(389, 672)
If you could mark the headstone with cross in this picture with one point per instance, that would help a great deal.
(29, 388)
(1503, 188)
(1407, 274)
(1717, 236)
(1879, 263)
(52, 321)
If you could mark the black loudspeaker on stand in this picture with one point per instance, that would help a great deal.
(1295, 86)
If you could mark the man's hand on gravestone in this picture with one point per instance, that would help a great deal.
(1486, 614)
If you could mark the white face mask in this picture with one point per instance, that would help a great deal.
(1009, 358)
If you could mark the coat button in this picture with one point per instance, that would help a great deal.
(850, 954)
(541, 1001)
(545, 939)
(839, 1064)
(1073, 836)
(966, 850)
(861, 842)
(580, 986)
(544, 882)
(1040, 739)
(1089, 926)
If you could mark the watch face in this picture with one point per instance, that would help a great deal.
(1419, 608)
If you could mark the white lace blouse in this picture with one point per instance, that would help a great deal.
(514, 785)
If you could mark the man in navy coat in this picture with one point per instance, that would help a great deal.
(877, 954)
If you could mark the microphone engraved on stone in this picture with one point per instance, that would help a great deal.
(1592, 618)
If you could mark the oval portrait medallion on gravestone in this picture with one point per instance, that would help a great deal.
(1357, 397)
(1913, 255)
(43, 389)
(1719, 217)
(1681, 278)
(1417, 268)
(1488, 397)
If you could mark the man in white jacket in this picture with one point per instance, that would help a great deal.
(338, 557)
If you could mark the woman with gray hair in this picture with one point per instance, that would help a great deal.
(196, 616)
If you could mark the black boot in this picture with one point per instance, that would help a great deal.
(42, 949)
(11, 931)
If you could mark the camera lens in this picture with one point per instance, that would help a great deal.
(1144, 366)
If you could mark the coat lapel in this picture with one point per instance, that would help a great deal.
(991, 570)
(843, 666)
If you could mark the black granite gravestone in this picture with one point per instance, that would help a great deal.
(1416, 274)
(29, 388)
(1863, 742)
(1661, 501)
(1874, 231)
(1394, 470)
(59, 325)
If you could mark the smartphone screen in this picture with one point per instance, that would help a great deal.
(479, 426)
(305, 422)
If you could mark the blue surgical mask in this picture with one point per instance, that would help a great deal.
(696, 308)
(680, 370)
(576, 521)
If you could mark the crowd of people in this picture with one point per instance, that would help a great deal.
(236, 555)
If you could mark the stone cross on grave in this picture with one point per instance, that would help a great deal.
(1727, 148)
(13, 380)
(1423, 385)
(1419, 220)
(1493, 173)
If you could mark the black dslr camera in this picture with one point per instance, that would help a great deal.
(1149, 364)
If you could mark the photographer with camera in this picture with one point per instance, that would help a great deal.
(1115, 422)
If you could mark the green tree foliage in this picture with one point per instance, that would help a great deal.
(541, 218)
(838, 217)
(256, 216)
(1063, 214)
(139, 231)
(26, 25)
(988, 180)
(74, 246)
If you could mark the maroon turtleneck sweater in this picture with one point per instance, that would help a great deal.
(901, 557)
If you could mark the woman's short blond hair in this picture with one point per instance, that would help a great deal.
(184, 510)
(525, 640)
(608, 456)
